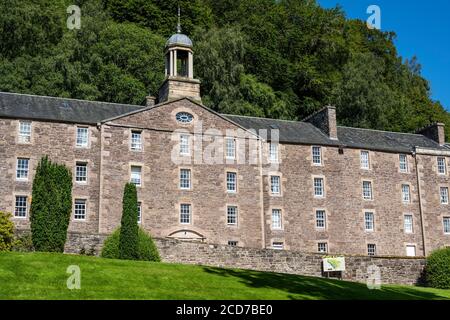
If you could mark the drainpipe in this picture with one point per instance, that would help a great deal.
(419, 191)
(261, 190)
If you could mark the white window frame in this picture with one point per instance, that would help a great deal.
(185, 215)
(403, 163)
(185, 181)
(406, 193)
(82, 137)
(20, 206)
(80, 164)
(369, 221)
(232, 215)
(371, 252)
(230, 148)
(365, 161)
(367, 193)
(185, 146)
(446, 225)
(410, 246)
(275, 184)
(136, 175)
(232, 243)
(443, 195)
(321, 219)
(408, 223)
(316, 154)
(231, 182)
(22, 172)
(278, 245)
(274, 152)
(322, 247)
(277, 219)
(441, 166)
(80, 209)
(136, 140)
(25, 128)
(319, 188)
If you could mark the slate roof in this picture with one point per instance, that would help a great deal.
(24, 106)
(305, 133)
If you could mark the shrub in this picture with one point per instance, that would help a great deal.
(146, 247)
(51, 206)
(128, 239)
(23, 243)
(438, 269)
(6, 231)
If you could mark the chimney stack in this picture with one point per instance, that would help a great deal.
(434, 131)
(150, 101)
(325, 120)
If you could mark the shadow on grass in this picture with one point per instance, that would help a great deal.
(301, 287)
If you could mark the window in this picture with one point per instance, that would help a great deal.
(367, 190)
(277, 245)
(444, 195)
(322, 247)
(184, 145)
(441, 165)
(318, 187)
(446, 222)
(371, 249)
(365, 164)
(276, 219)
(82, 137)
(81, 172)
(369, 221)
(408, 223)
(321, 219)
(403, 160)
(410, 250)
(232, 213)
(232, 243)
(273, 152)
(20, 210)
(275, 184)
(136, 175)
(317, 155)
(406, 197)
(136, 140)
(230, 144)
(24, 132)
(185, 213)
(139, 212)
(185, 179)
(80, 209)
(22, 168)
(231, 182)
(184, 117)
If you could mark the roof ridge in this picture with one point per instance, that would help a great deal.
(253, 117)
(73, 99)
(377, 130)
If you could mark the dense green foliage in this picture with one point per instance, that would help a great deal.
(51, 206)
(6, 231)
(128, 236)
(23, 243)
(147, 250)
(438, 269)
(43, 276)
(282, 59)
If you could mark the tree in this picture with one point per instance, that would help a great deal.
(6, 231)
(129, 239)
(51, 206)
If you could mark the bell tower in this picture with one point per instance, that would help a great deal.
(179, 69)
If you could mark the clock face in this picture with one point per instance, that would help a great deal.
(184, 117)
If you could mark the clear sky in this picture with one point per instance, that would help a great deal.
(422, 28)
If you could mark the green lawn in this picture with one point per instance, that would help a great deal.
(43, 276)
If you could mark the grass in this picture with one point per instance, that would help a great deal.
(43, 276)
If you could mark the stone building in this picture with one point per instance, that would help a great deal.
(306, 185)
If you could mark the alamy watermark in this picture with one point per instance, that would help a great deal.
(374, 20)
(74, 20)
(74, 280)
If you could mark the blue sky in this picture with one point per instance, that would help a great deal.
(422, 28)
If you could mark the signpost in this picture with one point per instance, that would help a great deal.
(333, 264)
